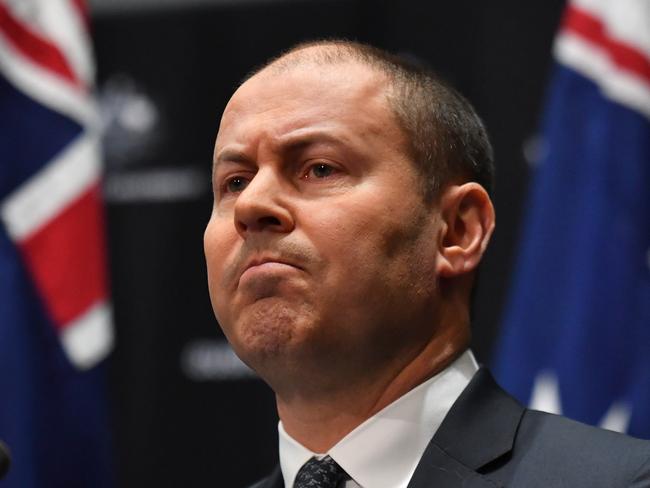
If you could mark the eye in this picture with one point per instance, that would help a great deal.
(319, 170)
(235, 184)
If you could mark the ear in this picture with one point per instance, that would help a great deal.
(467, 225)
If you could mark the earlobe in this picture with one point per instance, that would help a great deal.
(468, 223)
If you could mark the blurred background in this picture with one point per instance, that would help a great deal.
(171, 405)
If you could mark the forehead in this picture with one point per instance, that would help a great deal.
(345, 96)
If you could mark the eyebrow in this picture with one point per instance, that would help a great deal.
(292, 142)
(233, 155)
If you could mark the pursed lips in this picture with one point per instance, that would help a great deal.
(266, 262)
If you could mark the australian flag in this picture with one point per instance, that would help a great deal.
(55, 314)
(576, 335)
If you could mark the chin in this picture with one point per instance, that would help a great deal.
(267, 330)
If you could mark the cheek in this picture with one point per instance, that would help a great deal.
(372, 228)
(377, 251)
(213, 250)
(356, 244)
(218, 244)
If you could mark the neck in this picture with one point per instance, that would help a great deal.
(318, 422)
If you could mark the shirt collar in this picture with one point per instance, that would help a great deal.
(384, 451)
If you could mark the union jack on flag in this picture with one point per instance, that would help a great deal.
(50, 201)
(55, 313)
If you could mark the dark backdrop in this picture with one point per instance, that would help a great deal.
(186, 412)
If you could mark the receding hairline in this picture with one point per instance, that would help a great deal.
(322, 53)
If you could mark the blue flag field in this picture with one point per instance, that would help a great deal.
(576, 334)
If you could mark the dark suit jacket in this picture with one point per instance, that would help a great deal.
(489, 440)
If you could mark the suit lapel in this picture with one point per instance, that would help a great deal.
(479, 429)
(437, 468)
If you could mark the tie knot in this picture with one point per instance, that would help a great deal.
(320, 473)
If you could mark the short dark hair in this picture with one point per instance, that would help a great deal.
(446, 136)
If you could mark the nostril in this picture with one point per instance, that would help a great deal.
(268, 220)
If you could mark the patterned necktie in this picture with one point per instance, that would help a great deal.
(320, 473)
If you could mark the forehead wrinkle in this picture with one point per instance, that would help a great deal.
(297, 117)
(309, 136)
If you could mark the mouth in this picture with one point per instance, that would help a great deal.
(268, 260)
(266, 265)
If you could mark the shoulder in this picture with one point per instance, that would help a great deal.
(570, 448)
(493, 433)
(545, 429)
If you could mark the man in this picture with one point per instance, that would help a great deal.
(351, 211)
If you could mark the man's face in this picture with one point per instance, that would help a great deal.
(320, 246)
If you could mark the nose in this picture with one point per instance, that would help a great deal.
(262, 206)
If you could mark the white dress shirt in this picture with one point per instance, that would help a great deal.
(384, 451)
